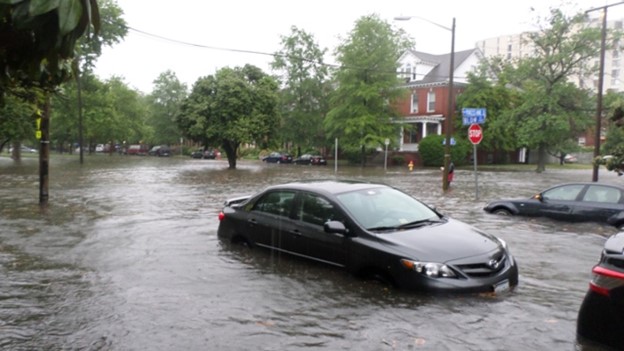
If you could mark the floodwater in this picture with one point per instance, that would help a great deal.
(126, 257)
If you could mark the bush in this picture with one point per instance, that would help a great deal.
(431, 151)
(398, 160)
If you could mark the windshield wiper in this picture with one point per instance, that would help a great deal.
(414, 224)
(418, 223)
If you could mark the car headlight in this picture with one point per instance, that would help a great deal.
(429, 269)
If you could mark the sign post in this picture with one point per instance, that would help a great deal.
(475, 134)
(386, 142)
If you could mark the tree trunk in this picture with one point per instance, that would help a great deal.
(363, 156)
(230, 152)
(44, 152)
(541, 158)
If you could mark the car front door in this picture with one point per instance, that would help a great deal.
(599, 202)
(312, 212)
(559, 203)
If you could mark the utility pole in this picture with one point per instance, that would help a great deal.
(600, 84)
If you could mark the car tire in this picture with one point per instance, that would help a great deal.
(502, 212)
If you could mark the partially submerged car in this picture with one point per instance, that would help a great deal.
(572, 202)
(374, 231)
(601, 316)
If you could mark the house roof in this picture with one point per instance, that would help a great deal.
(441, 63)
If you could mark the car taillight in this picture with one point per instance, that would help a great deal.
(221, 216)
(604, 280)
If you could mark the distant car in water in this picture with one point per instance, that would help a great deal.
(572, 202)
(570, 159)
(278, 157)
(308, 159)
(160, 150)
(137, 149)
(208, 154)
(374, 231)
(25, 150)
(601, 316)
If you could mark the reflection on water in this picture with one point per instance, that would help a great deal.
(126, 257)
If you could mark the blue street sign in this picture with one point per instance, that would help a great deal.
(473, 115)
(452, 141)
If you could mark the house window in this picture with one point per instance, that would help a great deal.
(410, 135)
(431, 101)
(615, 76)
(414, 102)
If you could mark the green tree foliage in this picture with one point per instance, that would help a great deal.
(304, 94)
(366, 82)
(552, 111)
(431, 149)
(116, 113)
(165, 101)
(613, 148)
(497, 99)
(232, 107)
(38, 37)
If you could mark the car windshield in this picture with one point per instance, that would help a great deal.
(386, 209)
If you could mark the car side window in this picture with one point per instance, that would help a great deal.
(564, 193)
(316, 210)
(276, 202)
(600, 193)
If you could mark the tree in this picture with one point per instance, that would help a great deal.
(497, 99)
(235, 106)
(360, 107)
(165, 101)
(552, 110)
(303, 97)
(37, 42)
(613, 149)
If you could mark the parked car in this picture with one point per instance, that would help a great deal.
(601, 316)
(374, 231)
(137, 149)
(278, 157)
(208, 154)
(573, 202)
(308, 159)
(570, 159)
(154, 150)
(25, 150)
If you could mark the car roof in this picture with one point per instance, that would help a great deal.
(587, 183)
(332, 187)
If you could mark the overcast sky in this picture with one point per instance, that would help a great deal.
(256, 26)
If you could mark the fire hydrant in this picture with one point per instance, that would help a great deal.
(410, 165)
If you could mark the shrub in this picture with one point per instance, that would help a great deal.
(431, 151)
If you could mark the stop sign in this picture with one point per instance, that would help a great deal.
(475, 133)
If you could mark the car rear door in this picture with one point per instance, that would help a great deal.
(312, 212)
(269, 222)
(559, 202)
(598, 203)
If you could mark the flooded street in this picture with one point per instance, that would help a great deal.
(126, 257)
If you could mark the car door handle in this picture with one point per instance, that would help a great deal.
(252, 222)
(295, 232)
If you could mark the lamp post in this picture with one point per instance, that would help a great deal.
(449, 117)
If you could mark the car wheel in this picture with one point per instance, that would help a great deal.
(502, 212)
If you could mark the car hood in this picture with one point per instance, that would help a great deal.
(446, 241)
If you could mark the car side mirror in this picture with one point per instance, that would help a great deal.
(335, 227)
(538, 197)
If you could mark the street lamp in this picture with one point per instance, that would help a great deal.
(447, 121)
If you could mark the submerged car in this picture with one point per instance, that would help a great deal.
(307, 159)
(278, 157)
(374, 231)
(573, 202)
(601, 316)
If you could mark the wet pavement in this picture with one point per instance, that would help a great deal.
(126, 257)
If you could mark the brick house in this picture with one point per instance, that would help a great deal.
(425, 107)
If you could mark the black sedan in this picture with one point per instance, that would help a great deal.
(278, 157)
(374, 231)
(307, 159)
(573, 202)
(601, 316)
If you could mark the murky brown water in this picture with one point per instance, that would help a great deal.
(126, 257)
